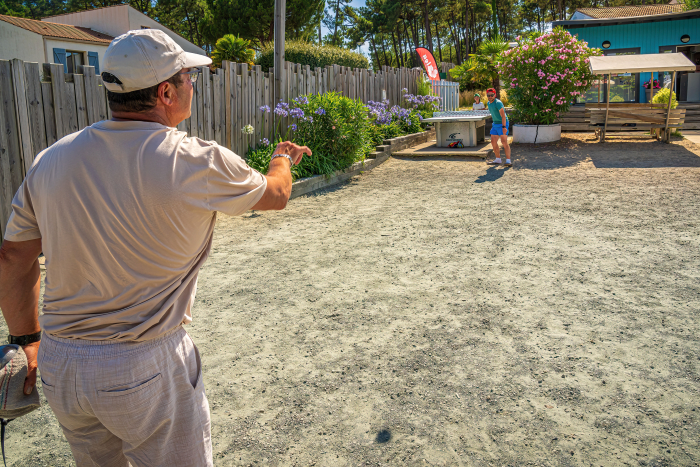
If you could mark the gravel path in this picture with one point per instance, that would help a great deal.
(440, 312)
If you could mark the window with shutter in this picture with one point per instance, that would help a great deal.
(59, 56)
(93, 60)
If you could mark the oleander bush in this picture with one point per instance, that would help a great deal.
(313, 55)
(546, 72)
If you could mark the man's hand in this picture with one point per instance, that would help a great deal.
(19, 296)
(279, 178)
(31, 352)
(295, 151)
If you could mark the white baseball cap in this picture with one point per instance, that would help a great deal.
(143, 58)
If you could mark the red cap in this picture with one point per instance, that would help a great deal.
(491, 90)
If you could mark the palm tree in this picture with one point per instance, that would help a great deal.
(234, 49)
(484, 63)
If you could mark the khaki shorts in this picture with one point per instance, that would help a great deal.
(130, 403)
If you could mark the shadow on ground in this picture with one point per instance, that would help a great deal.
(492, 174)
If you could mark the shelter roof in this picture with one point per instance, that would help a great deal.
(640, 63)
(631, 10)
(63, 31)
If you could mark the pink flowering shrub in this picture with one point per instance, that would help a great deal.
(544, 75)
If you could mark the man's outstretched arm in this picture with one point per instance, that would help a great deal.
(20, 284)
(279, 177)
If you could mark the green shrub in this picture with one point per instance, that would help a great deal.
(424, 87)
(469, 81)
(338, 134)
(336, 128)
(661, 97)
(232, 48)
(259, 158)
(378, 133)
(313, 55)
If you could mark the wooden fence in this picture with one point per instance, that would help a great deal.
(40, 105)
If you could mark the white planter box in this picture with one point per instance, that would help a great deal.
(536, 133)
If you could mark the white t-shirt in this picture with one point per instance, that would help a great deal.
(125, 211)
(479, 106)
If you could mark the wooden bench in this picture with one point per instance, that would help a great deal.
(631, 117)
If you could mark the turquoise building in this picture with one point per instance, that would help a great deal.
(638, 30)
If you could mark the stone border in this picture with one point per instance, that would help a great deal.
(382, 153)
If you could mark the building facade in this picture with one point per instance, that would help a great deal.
(75, 39)
(117, 20)
(639, 30)
(43, 42)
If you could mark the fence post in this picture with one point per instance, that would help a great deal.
(217, 83)
(58, 83)
(36, 110)
(80, 106)
(11, 169)
(22, 114)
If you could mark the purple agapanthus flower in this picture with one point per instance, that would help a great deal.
(293, 126)
(301, 100)
(265, 109)
(282, 109)
(265, 142)
(296, 113)
(321, 111)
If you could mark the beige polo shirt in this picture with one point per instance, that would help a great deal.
(125, 211)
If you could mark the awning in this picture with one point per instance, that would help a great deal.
(640, 63)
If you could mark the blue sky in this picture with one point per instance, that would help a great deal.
(356, 4)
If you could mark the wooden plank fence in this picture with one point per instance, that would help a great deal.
(42, 104)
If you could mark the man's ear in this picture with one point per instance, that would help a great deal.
(166, 93)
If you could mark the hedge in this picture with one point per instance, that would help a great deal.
(313, 55)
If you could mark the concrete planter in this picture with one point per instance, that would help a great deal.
(536, 133)
(650, 94)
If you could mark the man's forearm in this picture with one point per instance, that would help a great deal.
(280, 170)
(20, 285)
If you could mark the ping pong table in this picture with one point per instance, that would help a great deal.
(459, 129)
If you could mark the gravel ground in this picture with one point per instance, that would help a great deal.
(441, 312)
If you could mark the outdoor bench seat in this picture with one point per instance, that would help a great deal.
(625, 117)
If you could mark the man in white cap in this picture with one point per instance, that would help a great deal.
(124, 212)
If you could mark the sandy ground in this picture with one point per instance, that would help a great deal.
(440, 312)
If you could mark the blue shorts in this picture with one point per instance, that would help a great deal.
(497, 129)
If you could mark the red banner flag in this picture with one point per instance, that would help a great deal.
(429, 63)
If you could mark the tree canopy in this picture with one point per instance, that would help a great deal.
(451, 29)
(391, 29)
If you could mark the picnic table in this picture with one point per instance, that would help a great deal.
(459, 129)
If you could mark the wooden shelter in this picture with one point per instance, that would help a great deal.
(629, 114)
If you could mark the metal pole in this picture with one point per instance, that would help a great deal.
(607, 107)
(667, 134)
(280, 76)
